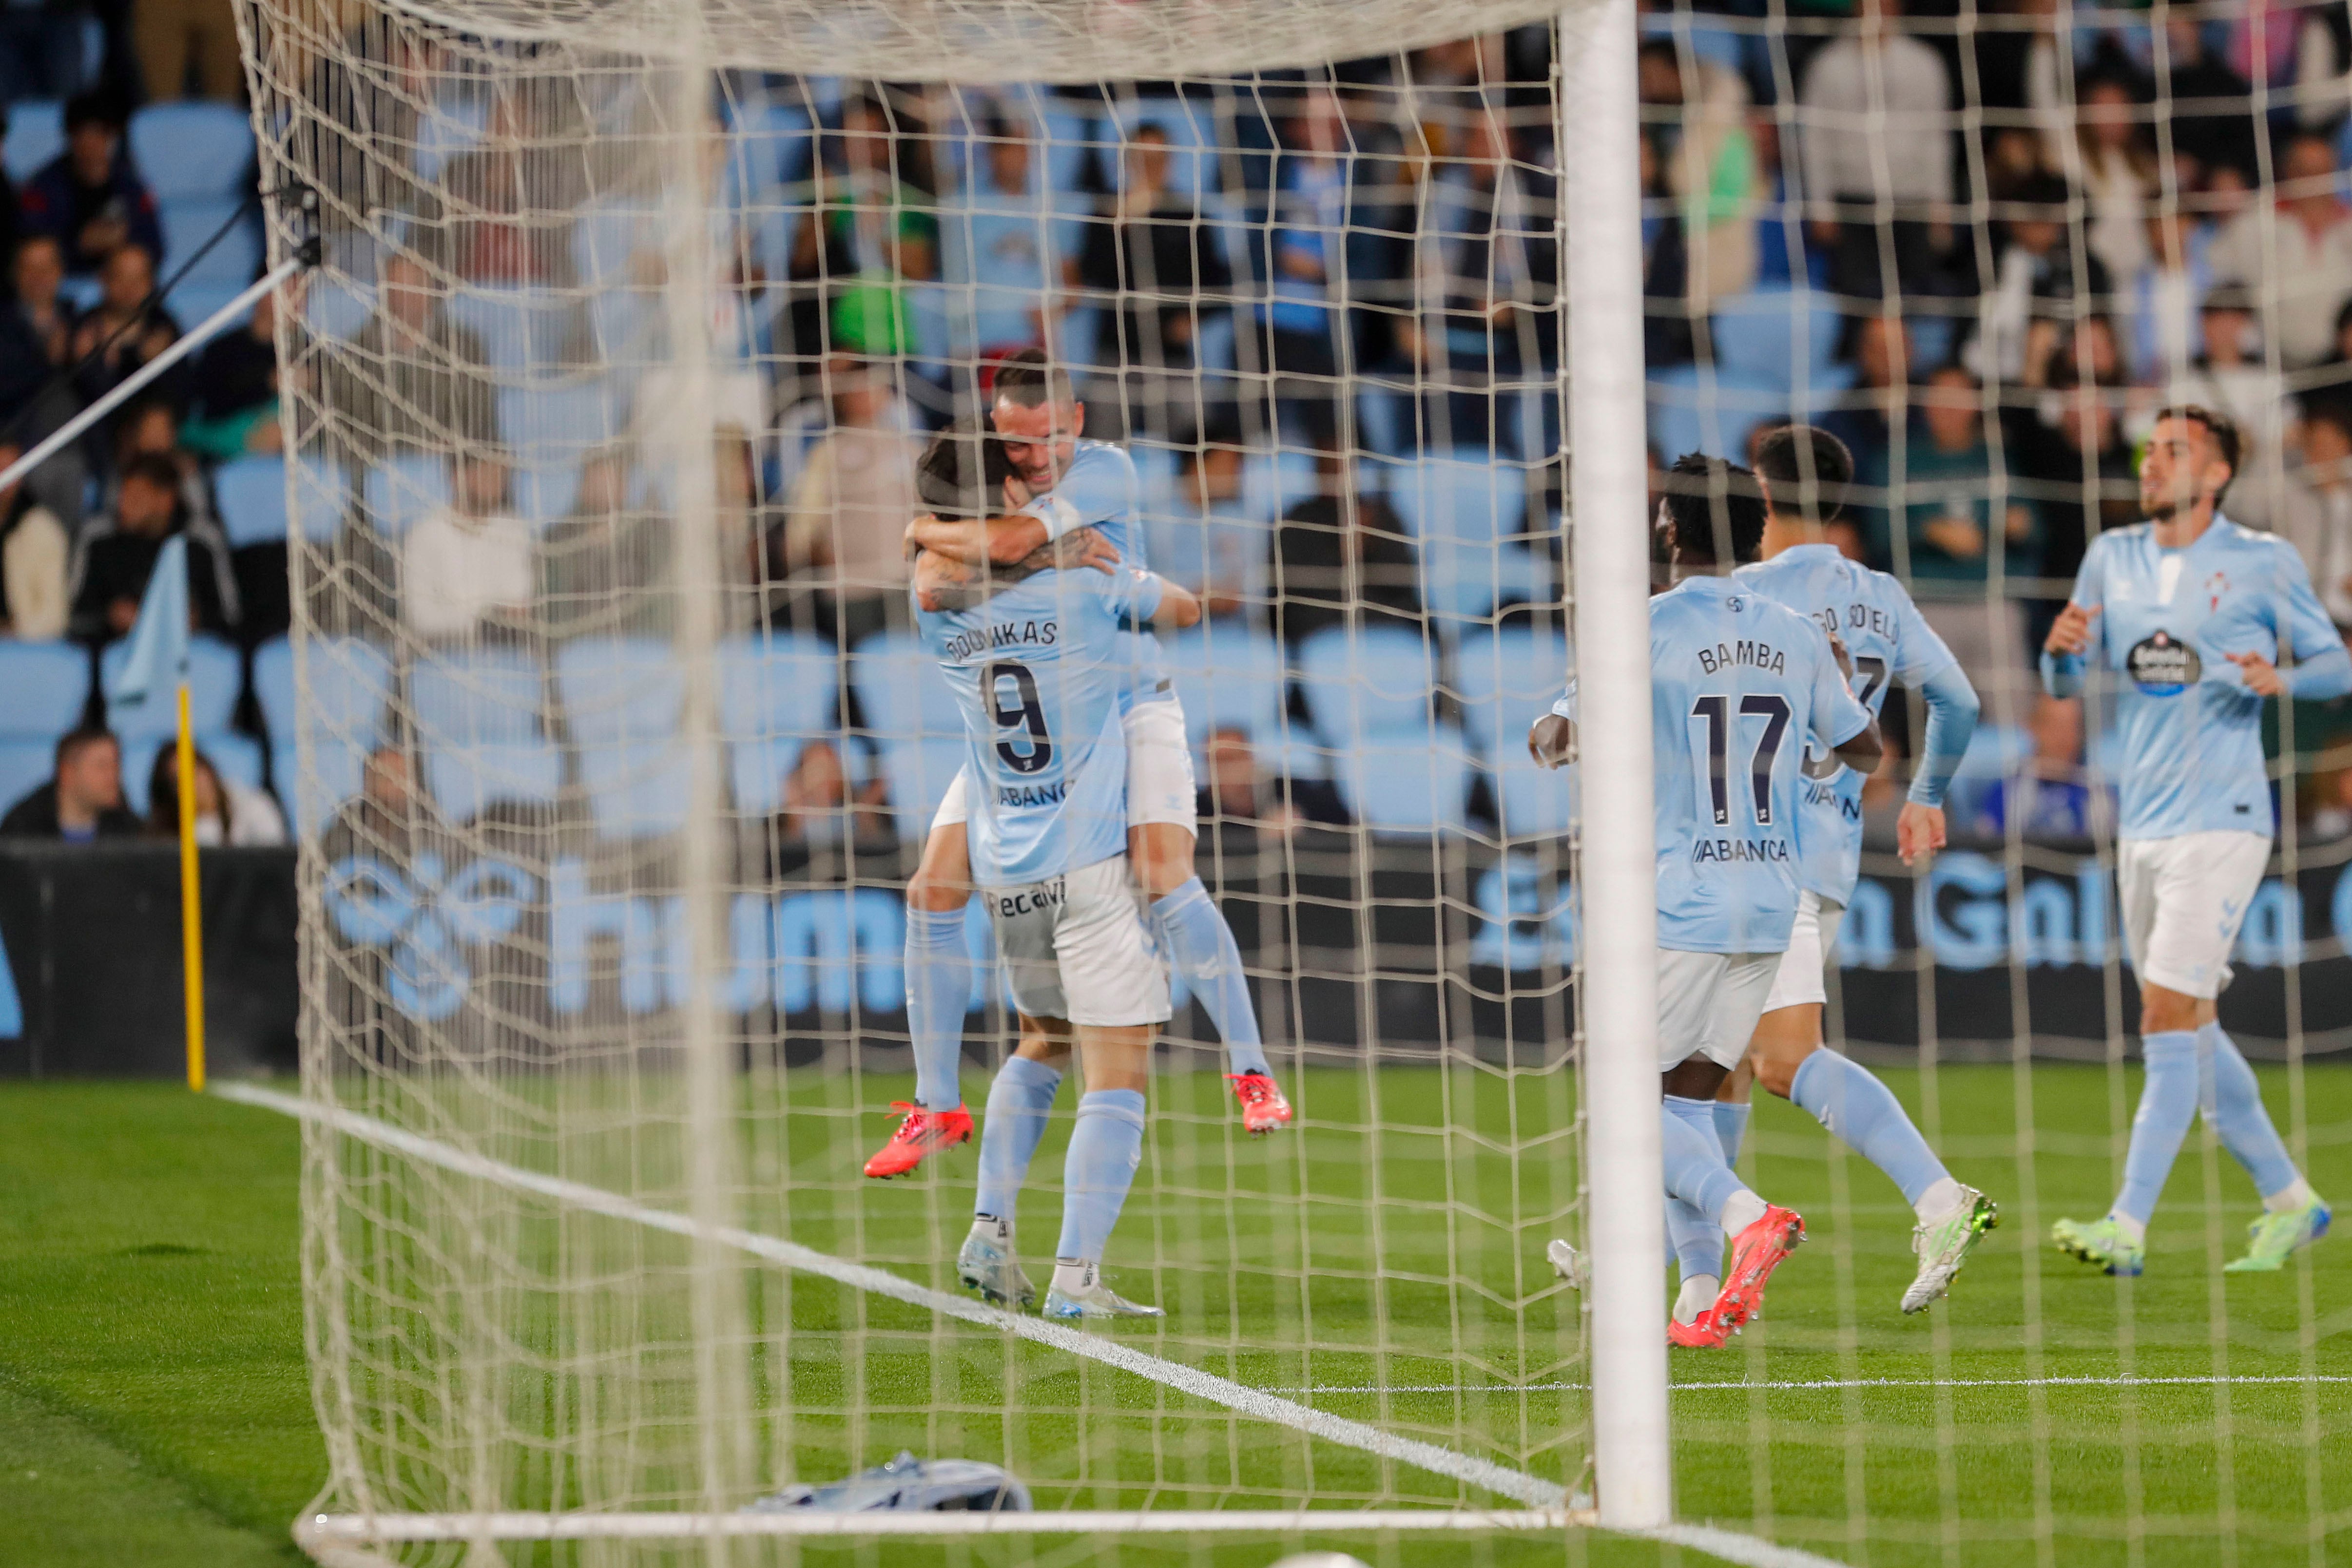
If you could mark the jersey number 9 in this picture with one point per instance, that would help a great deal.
(1029, 715)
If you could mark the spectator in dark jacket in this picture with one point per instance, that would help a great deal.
(82, 801)
(115, 556)
(119, 336)
(90, 196)
(234, 392)
(1338, 551)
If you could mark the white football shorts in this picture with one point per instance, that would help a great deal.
(1076, 947)
(1811, 940)
(1709, 1004)
(2184, 898)
(1161, 787)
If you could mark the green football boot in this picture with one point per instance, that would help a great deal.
(2099, 1241)
(1944, 1246)
(2275, 1237)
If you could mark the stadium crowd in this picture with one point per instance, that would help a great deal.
(1324, 314)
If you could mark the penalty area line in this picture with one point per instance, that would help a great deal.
(2247, 1380)
(1536, 1494)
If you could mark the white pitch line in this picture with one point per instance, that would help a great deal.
(2093, 1381)
(1747, 1551)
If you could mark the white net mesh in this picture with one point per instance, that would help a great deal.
(605, 409)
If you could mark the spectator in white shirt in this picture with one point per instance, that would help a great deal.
(34, 555)
(1875, 116)
(466, 569)
(2318, 516)
(2312, 276)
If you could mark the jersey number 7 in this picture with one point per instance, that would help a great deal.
(1715, 710)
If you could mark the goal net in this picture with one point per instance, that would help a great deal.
(621, 745)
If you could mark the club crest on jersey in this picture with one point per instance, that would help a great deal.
(2163, 667)
(2215, 586)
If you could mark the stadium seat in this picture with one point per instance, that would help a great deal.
(24, 766)
(638, 789)
(1367, 682)
(1411, 789)
(44, 689)
(215, 676)
(900, 688)
(1691, 410)
(547, 493)
(399, 490)
(1787, 337)
(233, 261)
(784, 686)
(1273, 482)
(919, 773)
(465, 778)
(557, 423)
(37, 134)
(323, 499)
(192, 148)
(252, 496)
(334, 307)
(617, 690)
(522, 330)
(1228, 677)
(1504, 678)
(234, 756)
(1462, 497)
(1466, 581)
(604, 239)
(482, 697)
(350, 680)
(453, 122)
(1535, 801)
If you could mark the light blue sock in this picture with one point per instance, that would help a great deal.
(1105, 1149)
(2167, 1099)
(2232, 1097)
(938, 994)
(1202, 947)
(1848, 1099)
(1695, 1241)
(1695, 1169)
(1730, 1128)
(1018, 1103)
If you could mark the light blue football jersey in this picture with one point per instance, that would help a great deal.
(1099, 491)
(1888, 640)
(1038, 671)
(2191, 732)
(1738, 682)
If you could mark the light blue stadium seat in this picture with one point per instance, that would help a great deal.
(350, 681)
(322, 497)
(772, 147)
(1070, 136)
(1783, 336)
(617, 690)
(191, 147)
(1273, 482)
(24, 766)
(215, 676)
(522, 330)
(44, 689)
(234, 757)
(1462, 497)
(902, 691)
(557, 423)
(399, 490)
(638, 789)
(37, 134)
(1466, 581)
(334, 309)
(465, 778)
(188, 222)
(252, 496)
(620, 319)
(919, 772)
(604, 238)
(1366, 682)
(1409, 788)
(479, 697)
(1228, 677)
(452, 124)
(785, 686)
(1505, 678)
(1535, 802)
(1691, 410)
(545, 493)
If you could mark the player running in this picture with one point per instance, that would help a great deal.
(1737, 683)
(2190, 615)
(1805, 471)
(1039, 670)
(1077, 484)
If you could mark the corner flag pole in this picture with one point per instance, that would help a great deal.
(192, 930)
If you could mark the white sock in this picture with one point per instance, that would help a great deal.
(1742, 1209)
(2292, 1196)
(1698, 1293)
(1073, 1276)
(1938, 1201)
(2130, 1229)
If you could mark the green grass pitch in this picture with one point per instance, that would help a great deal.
(155, 1406)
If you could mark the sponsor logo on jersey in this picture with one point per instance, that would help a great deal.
(1019, 796)
(1034, 900)
(2163, 667)
(1740, 850)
